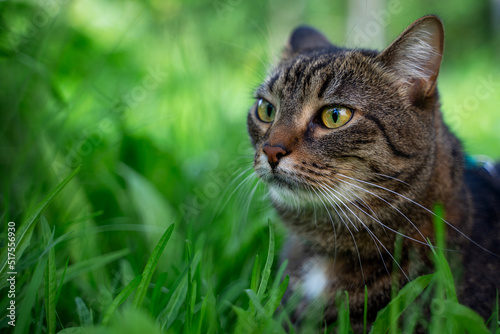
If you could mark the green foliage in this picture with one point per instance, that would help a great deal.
(258, 317)
(23, 237)
(406, 296)
(50, 280)
(119, 119)
(120, 298)
(150, 267)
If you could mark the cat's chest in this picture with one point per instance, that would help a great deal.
(315, 277)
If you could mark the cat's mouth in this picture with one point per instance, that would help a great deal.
(283, 181)
(280, 177)
(288, 189)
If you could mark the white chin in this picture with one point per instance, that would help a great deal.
(290, 198)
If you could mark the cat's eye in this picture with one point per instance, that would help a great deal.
(265, 111)
(334, 117)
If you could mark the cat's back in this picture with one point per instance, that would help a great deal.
(481, 269)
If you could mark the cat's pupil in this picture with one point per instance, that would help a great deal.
(269, 110)
(335, 115)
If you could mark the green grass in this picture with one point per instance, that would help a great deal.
(125, 163)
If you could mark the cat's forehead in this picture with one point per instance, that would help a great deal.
(316, 76)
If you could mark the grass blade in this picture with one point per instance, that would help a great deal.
(84, 313)
(276, 296)
(169, 314)
(254, 281)
(24, 317)
(120, 298)
(151, 266)
(446, 281)
(404, 298)
(493, 321)
(344, 325)
(23, 237)
(157, 302)
(266, 272)
(465, 317)
(203, 311)
(256, 302)
(83, 267)
(61, 280)
(50, 280)
(246, 323)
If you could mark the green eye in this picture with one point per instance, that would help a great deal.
(265, 111)
(334, 117)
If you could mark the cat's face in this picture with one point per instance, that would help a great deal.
(329, 123)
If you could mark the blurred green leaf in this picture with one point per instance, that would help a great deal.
(404, 298)
(23, 234)
(120, 298)
(151, 266)
(50, 280)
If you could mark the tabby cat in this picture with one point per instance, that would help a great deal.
(355, 153)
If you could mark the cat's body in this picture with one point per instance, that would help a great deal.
(355, 152)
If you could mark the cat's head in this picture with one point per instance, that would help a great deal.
(329, 121)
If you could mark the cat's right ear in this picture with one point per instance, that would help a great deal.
(305, 38)
(414, 58)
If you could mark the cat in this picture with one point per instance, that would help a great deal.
(354, 150)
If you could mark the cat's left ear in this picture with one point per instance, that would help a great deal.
(415, 56)
(303, 39)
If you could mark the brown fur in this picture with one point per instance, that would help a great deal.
(396, 130)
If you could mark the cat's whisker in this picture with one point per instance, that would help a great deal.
(352, 235)
(354, 239)
(250, 198)
(373, 236)
(323, 186)
(373, 173)
(392, 178)
(347, 200)
(230, 185)
(366, 205)
(308, 187)
(333, 225)
(312, 189)
(335, 203)
(423, 207)
(425, 242)
(382, 224)
(388, 253)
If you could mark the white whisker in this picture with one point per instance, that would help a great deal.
(385, 226)
(352, 235)
(423, 207)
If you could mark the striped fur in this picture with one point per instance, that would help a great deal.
(346, 193)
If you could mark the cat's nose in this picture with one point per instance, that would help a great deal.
(274, 154)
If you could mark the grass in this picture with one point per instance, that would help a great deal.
(123, 132)
(178, 309)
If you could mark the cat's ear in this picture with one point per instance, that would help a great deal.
(415, 56)
(305, 38)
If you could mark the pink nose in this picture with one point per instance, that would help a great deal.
(274, 154)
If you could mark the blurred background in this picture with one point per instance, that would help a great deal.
(150, 98)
